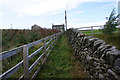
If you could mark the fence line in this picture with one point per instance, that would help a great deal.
(25, 62)
(91, 29)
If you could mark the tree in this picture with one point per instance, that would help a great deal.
(111, 24)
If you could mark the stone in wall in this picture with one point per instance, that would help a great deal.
(116, 66)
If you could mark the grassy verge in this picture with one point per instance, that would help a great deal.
(113, 39)
(61, 63)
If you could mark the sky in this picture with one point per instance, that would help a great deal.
(22, 14)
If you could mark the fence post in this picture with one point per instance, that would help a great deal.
(54, 39)
(92, 31)
(51, 41)
(44, 45)
(57, 36)
(25, 62)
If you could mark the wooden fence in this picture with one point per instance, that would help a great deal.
(91, 29)
(25, 62)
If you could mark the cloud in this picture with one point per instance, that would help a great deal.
(81, 11)
(38, 7)
(1, 13)
(48, 7)
(77, 25)
(112, 5)
(19, 15)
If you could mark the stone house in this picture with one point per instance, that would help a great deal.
(60, 27)
(35, 27)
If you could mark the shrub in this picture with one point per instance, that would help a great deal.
(13, 38)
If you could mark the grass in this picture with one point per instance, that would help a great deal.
(14, 38)
(17, 58)
(12, 61)
(89, 31)
(118, 29)
(113, 39)
(61, 63)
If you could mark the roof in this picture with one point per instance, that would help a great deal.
(57, 25)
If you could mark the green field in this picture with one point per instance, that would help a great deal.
(89, 32)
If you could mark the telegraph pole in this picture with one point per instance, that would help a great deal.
(66, 19)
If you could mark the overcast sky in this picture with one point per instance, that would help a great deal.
(80, 13)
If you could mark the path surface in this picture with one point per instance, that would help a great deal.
(61, 62)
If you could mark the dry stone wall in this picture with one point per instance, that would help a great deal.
(101, 60)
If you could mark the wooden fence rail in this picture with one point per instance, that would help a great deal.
(91, 29)
(26, 57)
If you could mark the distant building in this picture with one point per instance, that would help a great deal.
(35, 27)
(60, 27)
